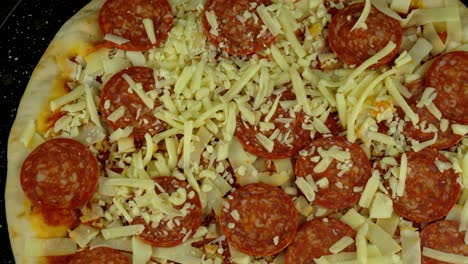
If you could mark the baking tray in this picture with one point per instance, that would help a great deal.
(26, 29)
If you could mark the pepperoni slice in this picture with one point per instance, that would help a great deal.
(117, 93)
(429, 194)
(356, 46)
(333, 124)
(315, 237)
(259, 219)
(290, 139)
(428, 124)
(416, 89)
(448, 74)
(443, 236)
(125, 19)
(60, 174)
(343, 175)
(237, 33)
(445, 139)
(174, 231)
(100, 255)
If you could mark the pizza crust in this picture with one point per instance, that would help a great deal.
(75, 37)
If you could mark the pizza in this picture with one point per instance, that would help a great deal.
(245, 131)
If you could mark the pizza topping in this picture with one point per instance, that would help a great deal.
(442, 241)
(127, 22)
(320, 237)
(60, 173)
(175, 230)
(266, 214)
(448, 75)
(149, 28)
(141, 251)
(345, 166)
(355, 46)
(235, 27)
(428, 193)
(129, 88)
(429, 127)
(411, 245)
(283, 140)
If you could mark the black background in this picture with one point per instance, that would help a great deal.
(26, 29)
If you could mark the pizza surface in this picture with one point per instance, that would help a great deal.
(245, 131)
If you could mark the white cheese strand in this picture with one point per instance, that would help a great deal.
(122, 231)
(37, 247)
(149, 29)
(411, 245)
(361, 23)
(443, 256)
(141, 251)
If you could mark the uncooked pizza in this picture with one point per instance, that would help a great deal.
(245, 131)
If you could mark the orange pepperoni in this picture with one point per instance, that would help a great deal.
(443, 236)
(60, 174)
(448, 74)
(290, 140)
(340, 193)
(356, 46)
(124, 18)
(117, 93)
(259, 220)
(234, 36)
(315, 238)
(184, 227)
(429, 194)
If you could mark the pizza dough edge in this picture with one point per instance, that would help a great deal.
(81, 29)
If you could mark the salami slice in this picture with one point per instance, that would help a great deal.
(117, 93)
(60, 174)
(356, 46)
(173, 231)
(427, 127)
(429, 193)
(259, 219)
(448, 74)
(443, 236)
(333, 124)
(100, 255)
(240, 30)
(416, 88)
(314, 239)
(124, 18)
(347, 173)
(290, 136)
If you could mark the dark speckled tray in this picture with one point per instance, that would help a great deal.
(27, 27)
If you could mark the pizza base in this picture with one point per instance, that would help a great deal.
(74, 37)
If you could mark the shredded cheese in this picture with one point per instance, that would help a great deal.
(149, 29)
(361, 22)
(122, 231)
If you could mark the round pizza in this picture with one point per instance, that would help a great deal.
(245, 131)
